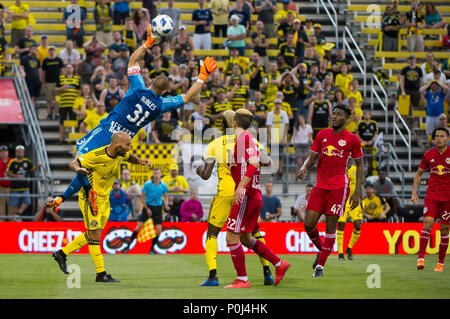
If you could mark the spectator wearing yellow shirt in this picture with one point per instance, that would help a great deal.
(375, 207)
(80, 102)
(354, 92)
(94, 119)
(89, 107)
(19, 16)
(285, 106)
(344, 79)
(281, 15)
(42, 50)
(139, 138)
(355, 118)
(177, 186)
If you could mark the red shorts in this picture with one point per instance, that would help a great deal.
(243, 218)
(437, 209)
(328, 202)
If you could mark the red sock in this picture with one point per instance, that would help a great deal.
(326, 249)
(238, 258)
(443, 248)
(423, 243)
(315, 238)
(262, 250)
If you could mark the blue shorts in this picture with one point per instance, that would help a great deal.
(96, 138)
(17, 201)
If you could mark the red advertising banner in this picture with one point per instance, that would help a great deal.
(10, 108)
(189, 238)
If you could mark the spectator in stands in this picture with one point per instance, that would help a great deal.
(266, 10)
(30, 67)
(96, 48)
(116, 45)
(23, 45)
(5, 184)
(322, 70)
(433, 18)
(220, 10)
(426, 67)
(261, 106)
(300, 71)
(236, 34)
(120, 203)
(69, 54)
(3, 42)
(443, 122)
(19, 15)
(301, 139)
(337, 61)
(151, 6)
(318, 50)
(103, 16)
(175, 14)
(238, 93)
(281, 14)
(367, 132)
(415, 21)
(284, 28)
(177, 186)
(202, 19)
(74, 25)
(121, 11)
(113, 90)
(132, 189)
(355, 118)
(289, 50)
(20, 167)
(141, 18)
(89, 107)
(354, 92)
(282, 65)
(67, 86)
(390, 27)
(433, 94)
(300, 204)
(86, 68)
(320, 111)
(277, 123)
(257, 73)
(152, 55)
(257, 122)
(46, 213)
(191, 210)
(80, 106)
(260, 42)
(51, 70)
(318, 34)
(180, 44)
(98, 81)
(435, 74)
(242, 13)
(384, 187)
(120, 65)
(343, 79)
(158, 69)
(329, 88)
(339, 98)
(309, 59)
(163, 128)
(93, 120)
(395, 10)
(411, 81)
(271, 207)
(308, 27)
(42, 49)
(375, 207)
(287, 85)
(200, 122)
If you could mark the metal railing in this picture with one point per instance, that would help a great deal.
(397, 129)
(334, 21)
(384, 105)
(34, 131)
(393, 161)
(362, 68)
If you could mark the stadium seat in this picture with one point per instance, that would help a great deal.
(404, 31)
(76, 136)
(404, 54)
(401, 8)
(427, 43)
(417, 113)
(73, 125)
(377, 19)
(394, 66)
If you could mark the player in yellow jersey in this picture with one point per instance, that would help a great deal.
(355, 214)
(220, 150)
(102, 167)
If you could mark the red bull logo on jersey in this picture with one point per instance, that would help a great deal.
(447, 160)
(330, 150)
(440, 170)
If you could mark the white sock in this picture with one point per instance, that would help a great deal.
(243, 278)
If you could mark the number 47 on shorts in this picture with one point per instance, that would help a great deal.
(336, 209)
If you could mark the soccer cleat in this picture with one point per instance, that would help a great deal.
(420, 264)
(210, 282)
(349, 254)
(316, 261)
(281, 270)
(268, 279)
(55, 203)
(341, 257)
(61, 258)
(104, 277)
(92, 200)
(439, 268)
(318, 272)
(237, 283)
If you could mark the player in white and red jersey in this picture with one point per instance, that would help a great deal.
(334, 147)
(243, 217)
(437, 200)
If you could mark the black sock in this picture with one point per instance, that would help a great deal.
(154, 241)
(101, 273)
(133, 237)
(212, 273)
(266, 270)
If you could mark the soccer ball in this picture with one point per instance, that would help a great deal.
(162, 25)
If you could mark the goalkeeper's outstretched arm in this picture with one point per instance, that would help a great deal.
(207, 67)
(139, 52)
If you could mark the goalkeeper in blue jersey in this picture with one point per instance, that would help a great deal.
(139, 107)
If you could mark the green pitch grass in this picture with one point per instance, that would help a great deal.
(177, 277)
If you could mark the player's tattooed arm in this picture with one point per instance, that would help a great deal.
(416, 182)
(75, 166)
(205, 170)
(133, 159)
(310, 162)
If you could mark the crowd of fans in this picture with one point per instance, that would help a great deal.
(291, 92)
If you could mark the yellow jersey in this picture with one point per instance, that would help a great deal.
(19, 23)
(103, 170)
(177, 181)
(352, 125)
(343, 82)
(220, 150)
(93, 120)
(374, 206)
(357, 95)
(140, 135)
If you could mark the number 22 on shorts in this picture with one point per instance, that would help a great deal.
(231, 224)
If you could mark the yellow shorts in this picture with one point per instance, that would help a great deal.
(94, 222)
(355, 214)
(219, 210)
